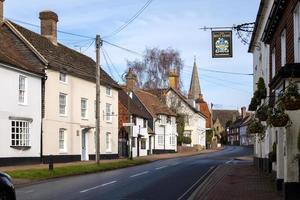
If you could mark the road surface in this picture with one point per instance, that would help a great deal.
(161, 180)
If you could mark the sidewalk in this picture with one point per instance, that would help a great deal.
(150, 158)
(235, 182)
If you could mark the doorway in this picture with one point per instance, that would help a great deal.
(84, 142)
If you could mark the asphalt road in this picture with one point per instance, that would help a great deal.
(161, 180)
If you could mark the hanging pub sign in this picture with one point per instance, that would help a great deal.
(221, 44)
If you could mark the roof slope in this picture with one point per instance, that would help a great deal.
(133, 108)
(62, 58)
(224, 115)
(153, 104)
(15, 53)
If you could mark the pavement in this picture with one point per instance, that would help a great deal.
(174, 178)
(237, 180)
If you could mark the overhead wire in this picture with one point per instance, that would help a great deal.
(107, 64)
(112, 64)
(140, 11)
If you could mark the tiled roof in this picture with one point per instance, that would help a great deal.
(133, 108)
(153, 104)
(62, 58)
(13, 52)
(224, 115)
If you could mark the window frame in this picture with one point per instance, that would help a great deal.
(24, 90)
(64, 131)
(160, 139)
(65, 106)
(107, 88)
(86, 108)
(65, 76)
(273, 65)
(108, 115)
(108, 145)
(24, 140)
(143, 143)
(283, 47)
(297, 33)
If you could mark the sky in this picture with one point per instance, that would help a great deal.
(165, 23)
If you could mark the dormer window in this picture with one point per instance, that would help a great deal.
(63, 77)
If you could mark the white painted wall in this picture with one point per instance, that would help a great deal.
(77, 88)
(166, 130)
(9, 107)
(139, 129)
(197, 123)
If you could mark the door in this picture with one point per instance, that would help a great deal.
(84, 151)
(150, 146)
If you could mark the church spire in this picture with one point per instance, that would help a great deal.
(195, 90)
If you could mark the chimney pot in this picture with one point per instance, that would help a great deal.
(2, 10)
(49, 21)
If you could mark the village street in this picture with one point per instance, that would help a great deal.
(157, 180)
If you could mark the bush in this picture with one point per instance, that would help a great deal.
(186, 140)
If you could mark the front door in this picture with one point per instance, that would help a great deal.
(84, 151)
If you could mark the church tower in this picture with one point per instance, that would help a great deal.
(195, 90)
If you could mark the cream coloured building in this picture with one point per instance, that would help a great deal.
(68, 98)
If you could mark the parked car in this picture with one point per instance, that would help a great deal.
(7, 189)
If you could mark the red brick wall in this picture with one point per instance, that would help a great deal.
(123, 115)
(286, 22)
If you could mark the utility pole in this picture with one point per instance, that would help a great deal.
(98, 46)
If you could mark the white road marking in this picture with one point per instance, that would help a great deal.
(158, 168)
(29, 191)
(102, 185)
(202, 177)
(229, 161)
(139, 174)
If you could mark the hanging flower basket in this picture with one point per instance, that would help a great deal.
(291, 97)
(278, 118)
(262, 113)
(255, 127)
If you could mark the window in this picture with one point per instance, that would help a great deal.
(62, 104)
(163, 119)
(20, 133)
(108, 91)
(133, 142)
(273, 63)
(108, 142)
(108, 112)
(283, 47)
(297, 33)
(160, 139)
(187, 133)
(143, 144)
(84, 107)
(22, 89)
(172, 140)
(62, 140)
(62, 77)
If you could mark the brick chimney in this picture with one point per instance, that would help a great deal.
(49, 21)
(1, 10)
(174, 79)
(243, 112)
(131, 79)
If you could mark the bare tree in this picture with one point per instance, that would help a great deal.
(152, 71)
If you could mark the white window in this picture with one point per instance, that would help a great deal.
(297, 33)
(84, 108)
(273, 63)
(143, 143)
(172, 140)
(62, 77)
(108, 142)
(163, 119)
(62, 104)
(62, 139)
(283, 47)
(108, 112)
(22, 89)
(108, 91)
(160, 139)
(20, 133)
